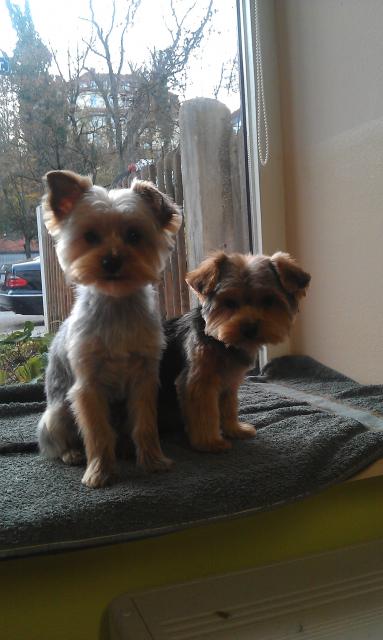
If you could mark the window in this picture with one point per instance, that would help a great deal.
(99, 88)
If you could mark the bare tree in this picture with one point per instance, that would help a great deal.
(82, 149)
(54, 128)
(141, 108)
(110, 87)
(229, 77)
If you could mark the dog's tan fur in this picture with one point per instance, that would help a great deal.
(246, 301)
(113, 246)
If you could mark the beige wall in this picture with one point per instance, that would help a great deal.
(273, 218)
(331, 83)
(271, 176)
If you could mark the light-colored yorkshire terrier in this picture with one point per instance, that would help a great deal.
(113, 246)
(246, 301)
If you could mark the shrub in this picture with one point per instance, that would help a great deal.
(23, 358)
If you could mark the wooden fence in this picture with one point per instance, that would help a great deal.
(173, 291)
(214, 204)
(57, 295)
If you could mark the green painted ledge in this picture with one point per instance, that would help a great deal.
(64, 596)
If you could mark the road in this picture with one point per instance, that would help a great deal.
(10, 321)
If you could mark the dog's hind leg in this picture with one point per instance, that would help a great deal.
(58, 435)
(57, 432)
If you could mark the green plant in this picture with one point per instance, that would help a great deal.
(23, 357)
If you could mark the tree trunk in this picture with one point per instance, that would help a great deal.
(27, 247)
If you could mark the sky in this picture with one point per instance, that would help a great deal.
(59, 23)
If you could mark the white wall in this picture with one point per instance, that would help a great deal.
(331, 83)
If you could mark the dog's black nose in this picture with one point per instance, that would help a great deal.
(250, 330)
(111, 264)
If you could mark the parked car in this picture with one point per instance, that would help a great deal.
(20, 290)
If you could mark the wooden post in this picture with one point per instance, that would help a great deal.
(205, 127)
(175, 308)
(168, 174)
(180, 247)
(160, 175)
(239, 193)
(152, 173)
(161, 286)
(145, 172)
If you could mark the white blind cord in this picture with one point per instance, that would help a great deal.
(262, 122)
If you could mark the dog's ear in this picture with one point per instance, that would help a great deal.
(292, 277)
(205, 277)
(166, 211)
(63, 191)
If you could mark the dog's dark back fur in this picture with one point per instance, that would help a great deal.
(179, 334)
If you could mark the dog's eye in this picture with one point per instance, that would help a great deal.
(268, 302)
(230, 303)
(132, 236)
(92, 237)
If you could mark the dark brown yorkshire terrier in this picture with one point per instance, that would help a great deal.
(246, 301)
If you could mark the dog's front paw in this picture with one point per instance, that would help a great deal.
(154, 462)
(73, 457)
(213, 446)
(240, 430)
(97, 474)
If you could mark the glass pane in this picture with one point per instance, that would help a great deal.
(109, 90)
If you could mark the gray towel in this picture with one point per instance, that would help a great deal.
(299, 449)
